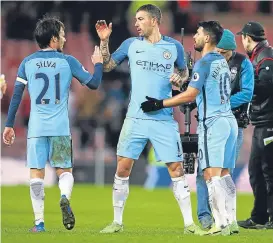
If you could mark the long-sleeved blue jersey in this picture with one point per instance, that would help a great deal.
(48, 75)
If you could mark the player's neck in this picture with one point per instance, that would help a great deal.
(50, 47)
(207, 49)
(154, 37)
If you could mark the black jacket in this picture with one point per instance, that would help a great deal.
(261, 109)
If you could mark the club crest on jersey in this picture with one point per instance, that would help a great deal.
(195, 77)
(167, 55)
(233, 73)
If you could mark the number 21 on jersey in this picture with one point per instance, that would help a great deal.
(40, 100)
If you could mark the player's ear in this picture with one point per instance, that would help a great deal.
(207, 39)
(154, 21)
(54, 39)
(249, 39)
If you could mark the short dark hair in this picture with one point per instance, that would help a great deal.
(255, 38)
(214, 29)
(153, 10)
(46, 28)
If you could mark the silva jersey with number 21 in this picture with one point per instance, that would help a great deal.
(211, 76)
(48, 75)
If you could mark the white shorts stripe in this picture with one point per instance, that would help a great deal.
(21, 80)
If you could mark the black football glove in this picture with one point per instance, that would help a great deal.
(151, 104)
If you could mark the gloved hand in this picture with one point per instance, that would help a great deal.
(151, 104)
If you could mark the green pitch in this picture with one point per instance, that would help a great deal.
(150, 216)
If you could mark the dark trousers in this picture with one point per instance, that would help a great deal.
(261, 175)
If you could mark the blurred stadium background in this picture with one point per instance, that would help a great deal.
(97, 116)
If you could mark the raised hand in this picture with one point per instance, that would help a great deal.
(103, 30)
(8, 135)
(151, 104)
(97, 56)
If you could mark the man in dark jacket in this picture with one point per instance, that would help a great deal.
(261, 117)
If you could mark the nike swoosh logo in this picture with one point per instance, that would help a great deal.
(139, 51)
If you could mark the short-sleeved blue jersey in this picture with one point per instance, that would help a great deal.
(48, 76)
(211, 76)
(151, 66)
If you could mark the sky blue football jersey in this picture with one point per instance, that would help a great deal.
(211, 76)
(48, 76)
(151, 66)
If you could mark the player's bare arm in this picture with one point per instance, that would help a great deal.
(108, 63)
(104, 33)
(188, 96)
(179, 77)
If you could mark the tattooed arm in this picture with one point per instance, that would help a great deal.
(111, 61)
(108, 63)
(116, 58)
(104, 31)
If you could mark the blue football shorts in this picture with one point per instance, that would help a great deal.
(217, 143)
(164, 136)
(56, 150)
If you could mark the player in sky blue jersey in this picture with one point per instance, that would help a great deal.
(152, 58)
(242, 86)
(48, 74)
(217, 130)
